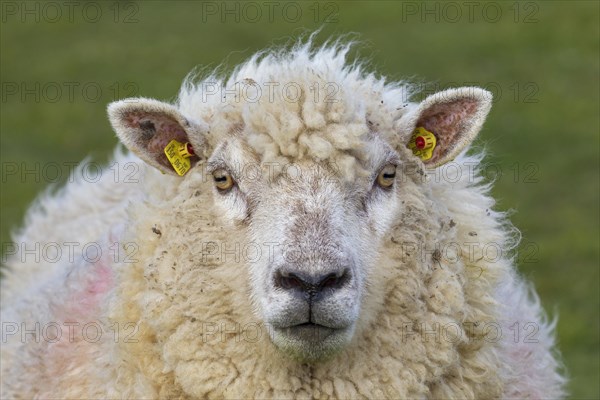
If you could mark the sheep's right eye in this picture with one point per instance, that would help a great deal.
(223, 180)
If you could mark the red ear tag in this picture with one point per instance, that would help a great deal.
(186, 150)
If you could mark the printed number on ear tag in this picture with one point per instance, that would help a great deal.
(179, 156)
(422, 143)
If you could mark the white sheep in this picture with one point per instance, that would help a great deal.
(319, 243)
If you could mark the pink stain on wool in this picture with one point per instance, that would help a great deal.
(87, 285)
(83, 304)
(79, 318)
(102, 280)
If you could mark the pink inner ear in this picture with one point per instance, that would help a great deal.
(156, 130)
(447, 121)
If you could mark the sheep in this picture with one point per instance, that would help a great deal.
(288, 235)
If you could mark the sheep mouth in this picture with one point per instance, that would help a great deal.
(310, 332)
(310, 342)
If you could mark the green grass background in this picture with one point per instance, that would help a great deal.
(539, 58)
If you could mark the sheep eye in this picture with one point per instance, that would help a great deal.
(386, 177)
(223, 180)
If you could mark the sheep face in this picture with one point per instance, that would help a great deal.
(323, 234)
(324, 223)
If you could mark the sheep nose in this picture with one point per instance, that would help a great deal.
(311, 284)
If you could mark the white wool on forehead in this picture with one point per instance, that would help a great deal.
(299, 103)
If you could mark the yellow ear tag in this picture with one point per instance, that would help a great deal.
(179, 156)
(422, 143)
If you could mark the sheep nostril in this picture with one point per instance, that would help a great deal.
(287, 280)
(334, 280)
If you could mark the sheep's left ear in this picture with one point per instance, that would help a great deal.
(453, 117)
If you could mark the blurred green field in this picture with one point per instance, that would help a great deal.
(541, 60)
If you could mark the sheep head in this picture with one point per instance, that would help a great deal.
(322, 215)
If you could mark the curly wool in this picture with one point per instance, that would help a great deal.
(301, 103)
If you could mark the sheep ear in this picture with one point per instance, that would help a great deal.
(453, 117)
(147, 126)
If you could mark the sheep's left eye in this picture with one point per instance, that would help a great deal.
(223, 180)
(386, 177)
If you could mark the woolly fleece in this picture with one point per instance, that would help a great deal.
(427, 321)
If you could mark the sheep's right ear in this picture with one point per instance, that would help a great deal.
(147, 126)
